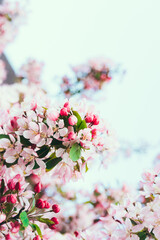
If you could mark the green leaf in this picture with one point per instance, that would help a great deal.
(44, 150)
(75, 152)
(142, 235)
(45, 220)
(56, 143)
(24, 219)
(52, 163)
(75, 113)
(35, 227)
(83, 125)
(87, 167)
(25, 141)
(4, 136)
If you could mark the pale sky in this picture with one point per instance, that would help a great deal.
(67, 32)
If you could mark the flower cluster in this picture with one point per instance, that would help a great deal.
(32, 71)
(21, 209)
(89, 76)
(39, 136)
(11, 15)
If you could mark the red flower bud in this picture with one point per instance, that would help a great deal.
(66, 105)
(11, 185)
(89, 118)
(76, 233)
(64, 112)
(8, 237)
(38, 187)
(52, 226)
(95, 120)
(2, 199)
(18, 186)
(55, 208)
(40, 203)
(55, 220)
(37, 238)
(71, 136)
(11, 198)
(47, 204)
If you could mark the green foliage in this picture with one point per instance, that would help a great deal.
(51, 162)
(75, 152)
(35, 227)
(4, 136)
(43, 151)
(24, 219)
(45, 220)
(25, 141)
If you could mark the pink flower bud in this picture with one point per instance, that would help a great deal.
(40, 203)
(89, 118)
(66, 105)
(95, 120)
(72, 120)
(103, 76)
(11, 199)
(2, 199)
(76, 233)
(18, 186)
(37, 238)
(71, 136)
(94, 133)
(55, 208)
(15, 227)
(11, 185)
(64, 112)
(8, 237)
(47, 204)
(52, 226)
(55, 220)
(38, 187)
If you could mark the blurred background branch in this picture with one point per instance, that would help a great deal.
(10, 72)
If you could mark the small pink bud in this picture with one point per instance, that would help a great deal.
(55, 220)
(11, 185)
(38, 187)
(55, 208)
(66, 105)
(94, 132)
(47, 204)
(71, 136)
(8, 237)
(37, 238)
(2, 199)
(64, 112)
(40, 203)
(72, 120)
(18, 186)
(103, 77)
(76, 233)
(11, 198)
(89, 118)
(52, 226)
(95, 120)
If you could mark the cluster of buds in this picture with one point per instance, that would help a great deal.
(43, 137)
(89, 76)
(19, 216)
(32, 71)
